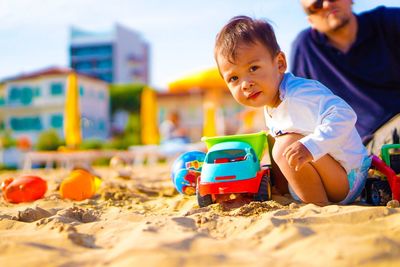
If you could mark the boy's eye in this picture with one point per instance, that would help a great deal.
(232, 79)
(253, 68)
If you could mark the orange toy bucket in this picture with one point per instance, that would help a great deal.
(79, 185)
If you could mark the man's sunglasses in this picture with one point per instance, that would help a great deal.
(316, 6)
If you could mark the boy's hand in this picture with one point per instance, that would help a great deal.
(297, 155)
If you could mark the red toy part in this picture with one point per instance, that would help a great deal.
(242, 186)
(393, 179)
(25, 188)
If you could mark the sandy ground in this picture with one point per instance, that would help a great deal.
(142, 221)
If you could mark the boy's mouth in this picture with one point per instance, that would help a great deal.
(253, 95)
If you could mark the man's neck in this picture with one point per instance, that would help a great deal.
(343, 38)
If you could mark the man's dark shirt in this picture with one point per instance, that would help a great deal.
(367, 76)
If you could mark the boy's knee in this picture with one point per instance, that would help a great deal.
(282, 142)
(277, 154)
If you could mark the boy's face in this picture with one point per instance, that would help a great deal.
(254, 77)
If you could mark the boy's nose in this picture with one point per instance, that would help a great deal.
(246, 84)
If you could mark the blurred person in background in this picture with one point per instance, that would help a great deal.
(171, 129)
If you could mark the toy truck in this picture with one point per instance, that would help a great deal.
(232, 166)
(383, 182)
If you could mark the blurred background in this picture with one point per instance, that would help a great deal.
(135, 62)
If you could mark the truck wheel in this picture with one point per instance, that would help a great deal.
(378, 192)
(203, 201)
(264, 191)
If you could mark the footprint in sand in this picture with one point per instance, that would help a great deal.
(78, 214)
(32, 215)
(83, 240)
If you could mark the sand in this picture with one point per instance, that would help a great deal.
(143, 221)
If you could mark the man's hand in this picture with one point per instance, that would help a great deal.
(297, 155)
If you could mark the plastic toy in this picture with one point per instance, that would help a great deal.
(79, 185)
(25, 188)
(185, 170)
(383, 184)
(232, 166)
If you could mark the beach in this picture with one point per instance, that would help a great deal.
(141, 220)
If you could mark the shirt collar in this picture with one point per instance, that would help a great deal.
(282, 92)
(283, 85)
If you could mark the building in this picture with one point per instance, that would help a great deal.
(2, 102)
(119, 56)
(34, 102)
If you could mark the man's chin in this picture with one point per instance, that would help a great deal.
(337, 24)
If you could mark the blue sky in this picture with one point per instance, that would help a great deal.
(35, 33)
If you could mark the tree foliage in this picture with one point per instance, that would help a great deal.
(49, 140)
(125, 97)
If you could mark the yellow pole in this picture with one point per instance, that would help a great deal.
(148, 117)
(72, 116)
(210, 112)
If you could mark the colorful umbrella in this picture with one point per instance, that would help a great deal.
(205, 80)
(148, 117)
(72, 116)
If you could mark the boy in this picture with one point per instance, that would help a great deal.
(317, 148)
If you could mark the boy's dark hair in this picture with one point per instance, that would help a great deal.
(244, 30)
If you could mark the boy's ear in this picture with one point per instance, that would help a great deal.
(281, 60)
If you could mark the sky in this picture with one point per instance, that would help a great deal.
(34, 34)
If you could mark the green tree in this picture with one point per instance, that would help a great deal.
(48, 140)
(6, 140)
(125, 97)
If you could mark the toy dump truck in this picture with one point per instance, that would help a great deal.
(383, 182)
(232, 166)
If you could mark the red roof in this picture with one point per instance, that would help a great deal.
(45, 72)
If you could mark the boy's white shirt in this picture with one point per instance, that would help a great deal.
(326, 121)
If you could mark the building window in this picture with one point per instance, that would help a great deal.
(104, 64)
(14, 95)
(102, 125)
(91, 51)
(27, 96)
(101, 95)
(22, 95)
(83, 66)
(57, 89)
(56, 121)
(106, 77)
(26, 124)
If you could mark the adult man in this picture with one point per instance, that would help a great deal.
(358, 58)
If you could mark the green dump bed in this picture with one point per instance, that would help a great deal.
(258, 141)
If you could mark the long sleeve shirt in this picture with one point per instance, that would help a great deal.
(326, 121)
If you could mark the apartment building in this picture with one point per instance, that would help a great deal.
(118, 56)
(34, 102)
